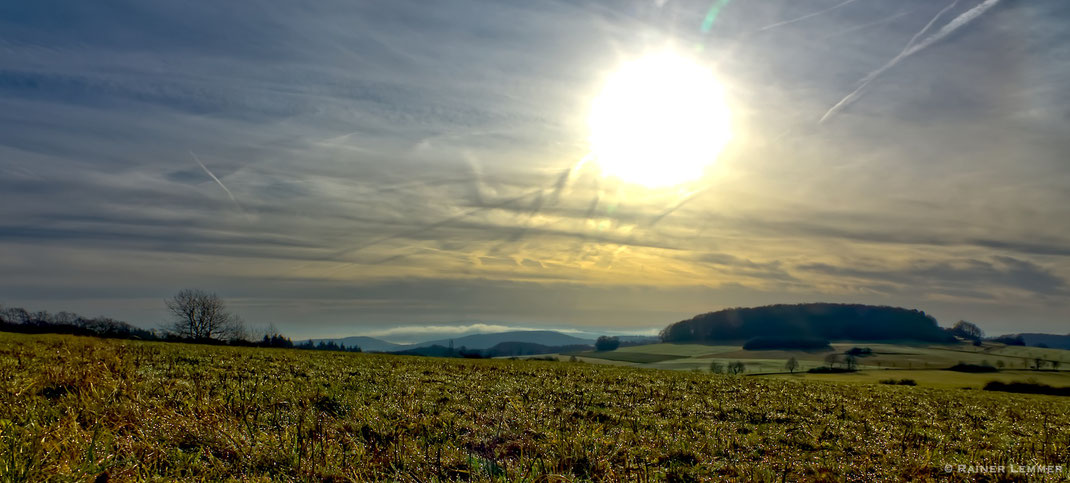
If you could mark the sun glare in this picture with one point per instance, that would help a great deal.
(659, 121)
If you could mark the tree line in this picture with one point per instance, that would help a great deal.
(195, 316)
(18, 319)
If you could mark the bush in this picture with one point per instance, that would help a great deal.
(543, 358)
(1027, 388)
(901, 382)
(859, 351)
(975, 368)
(829, 370)
(606, 343)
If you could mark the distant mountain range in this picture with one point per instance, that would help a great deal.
(474, 342)
(820, 320)
(366, 344)
(502, 349)
(1053, 341)
(486, 341)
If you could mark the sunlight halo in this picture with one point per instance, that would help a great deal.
(659, 121)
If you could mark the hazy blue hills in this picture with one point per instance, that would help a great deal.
(548, 338)
(1053, 341)
(501, 349)
(486, 341)
(367, 344)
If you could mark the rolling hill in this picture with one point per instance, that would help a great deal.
(486, 341)
(1054, 341)
(502, 349)
(820, 320)
(475, 341)
(366, 344)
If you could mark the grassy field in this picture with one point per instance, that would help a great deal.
(889, 355)
(941, 378)
(78, 408)
(623, 356)
(683, 350)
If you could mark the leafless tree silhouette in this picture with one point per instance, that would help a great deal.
(202, 316)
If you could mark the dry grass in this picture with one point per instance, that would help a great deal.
(77, 408)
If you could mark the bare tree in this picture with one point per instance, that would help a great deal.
(851, 362)
(967, 330)
(201, 315)
(791, 365)
(15, 315)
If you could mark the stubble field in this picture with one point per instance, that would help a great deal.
(81, 408)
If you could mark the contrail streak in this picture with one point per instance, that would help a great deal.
(929, 25)
(220, 183)
(948, 29)
(442, 222)
(809, 15)
(679, 204)
(870, 24)
(422, 229)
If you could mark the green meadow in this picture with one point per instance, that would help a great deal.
(1014, 361)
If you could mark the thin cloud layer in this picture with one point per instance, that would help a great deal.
(351, 167)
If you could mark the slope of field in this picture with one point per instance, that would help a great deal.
(885, 355)
(625, 356)
(684, 350)
(941, 379)
(76, 408)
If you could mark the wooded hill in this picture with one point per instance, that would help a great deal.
(819, 320)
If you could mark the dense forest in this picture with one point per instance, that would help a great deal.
(821, 320)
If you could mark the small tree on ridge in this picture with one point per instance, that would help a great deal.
(200, 315)
(791, 365)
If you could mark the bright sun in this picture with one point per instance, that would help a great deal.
(659, 121)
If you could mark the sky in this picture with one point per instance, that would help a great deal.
(408, 168)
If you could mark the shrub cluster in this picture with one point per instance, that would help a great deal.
(859, 351)
(1027, 388)
(976, 368)
(829, 370)
(901, 382)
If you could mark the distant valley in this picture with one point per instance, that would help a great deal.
(548, 339)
